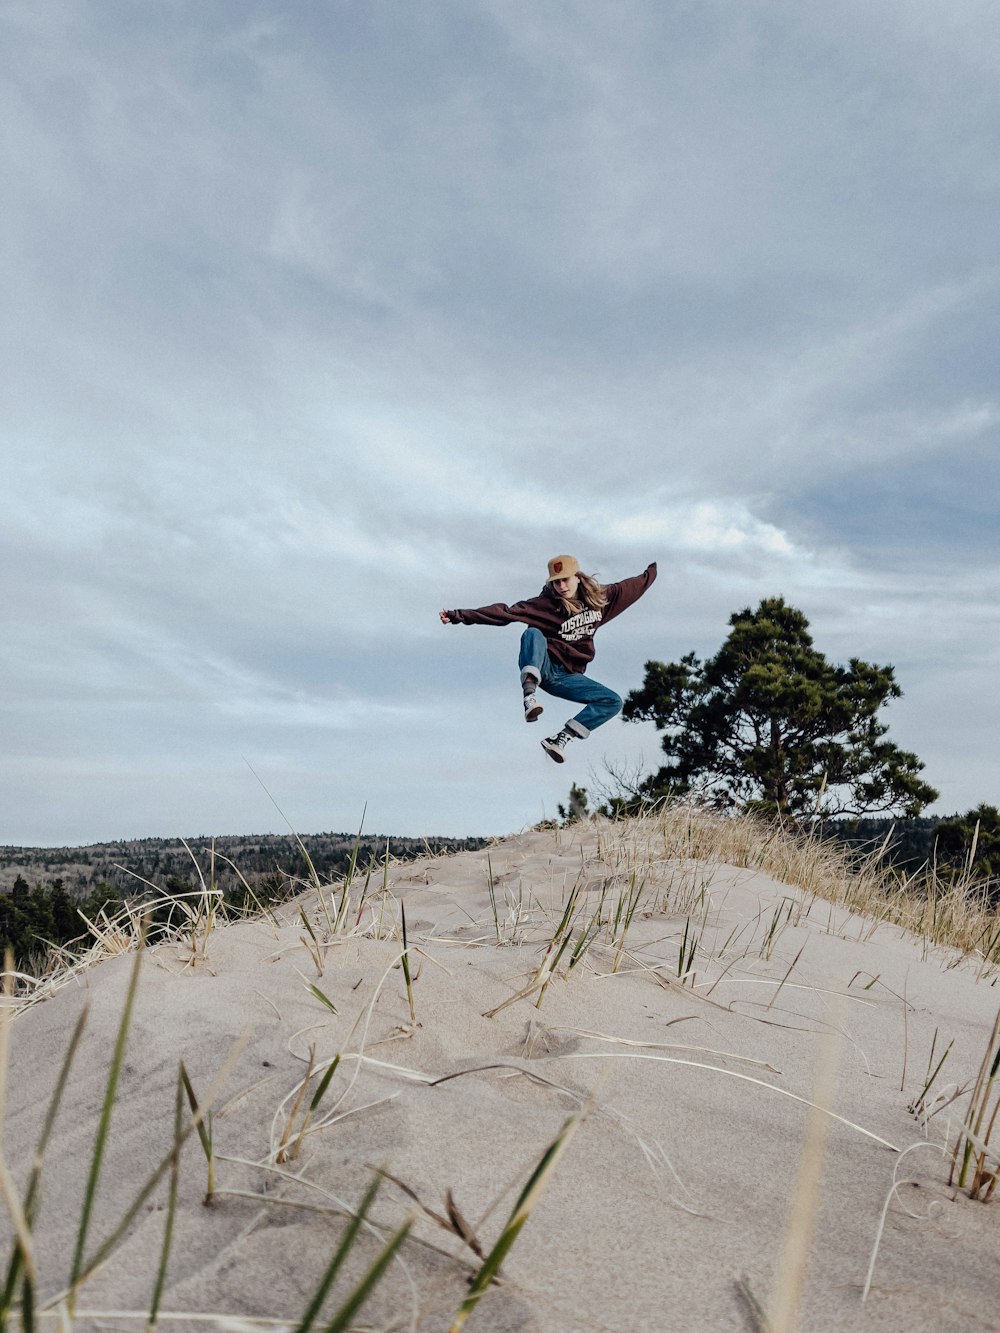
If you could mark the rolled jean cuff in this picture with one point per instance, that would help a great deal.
(531, 673)
(578, 728)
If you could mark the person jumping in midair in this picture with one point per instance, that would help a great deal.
(558, 645)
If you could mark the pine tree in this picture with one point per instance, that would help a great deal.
(769, 723)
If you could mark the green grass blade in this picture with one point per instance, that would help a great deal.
(102, 1252)
(491, 886)
(931, 1077)
(31, 1195)
(22, 1232)
(183, 1085)
(290, 1150)
(105, 1122)
(351, 871)
(369, 871)
(557, 945)
(521, 1212)
(340, 1254)
(568, 910)
(342, 1319)
(587, 935)
(320, 1092)
(108, 1245)
(756, 1311)
(27, 1307)
(199, 1120)
(405, 958)
(308, 925)
(325, 999)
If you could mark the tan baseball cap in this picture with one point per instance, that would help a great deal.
(563, 567)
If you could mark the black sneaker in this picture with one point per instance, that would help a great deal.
(555, 745)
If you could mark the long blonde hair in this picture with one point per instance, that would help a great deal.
(590, 593)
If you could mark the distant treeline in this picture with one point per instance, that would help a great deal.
(33, 918)
(961, 844)
(43, 890)
(906, 844)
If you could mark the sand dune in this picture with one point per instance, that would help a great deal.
(676, 1184)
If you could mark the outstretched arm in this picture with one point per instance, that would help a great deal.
(622, 595)
(499, 613)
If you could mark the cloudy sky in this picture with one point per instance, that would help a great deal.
(320, 316)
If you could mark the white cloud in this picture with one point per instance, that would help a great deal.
(703, 528)
(324, 320)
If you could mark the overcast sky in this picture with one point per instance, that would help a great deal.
(318, 317)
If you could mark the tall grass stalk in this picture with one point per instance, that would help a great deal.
(345, 897)
(776, 927)
(972, 1144)
(313, 876)
(791, 969)
(363, 897)
(970, 860)
(203, 1122)
(367, 1283)
(104, 1125)
(625, 911)
(405, 960)
(585, 938)
(284, 1153)
(491, 887)
(520, 1213)
(558, 943)
(291, 1139)
(23, 1257)
(805, 1201)
(202, 915)
(260, 906)
(168, 1223)
(312, 944)
(113, 1239)
(21, 1263)
(685, 958)
(920, 1106)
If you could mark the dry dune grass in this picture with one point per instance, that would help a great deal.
(538, 986)
(952, 911)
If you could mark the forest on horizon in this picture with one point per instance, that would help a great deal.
(44, 890)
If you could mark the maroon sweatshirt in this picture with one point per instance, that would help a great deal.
(570, 639)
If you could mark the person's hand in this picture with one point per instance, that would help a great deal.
(446, 618)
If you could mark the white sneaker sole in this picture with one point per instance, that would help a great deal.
(533, 714)
(554, 752)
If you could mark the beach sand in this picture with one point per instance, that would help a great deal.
(677, 1183)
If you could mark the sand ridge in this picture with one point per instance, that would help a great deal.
(676, 1184)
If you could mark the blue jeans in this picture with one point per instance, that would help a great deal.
(601, 703)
